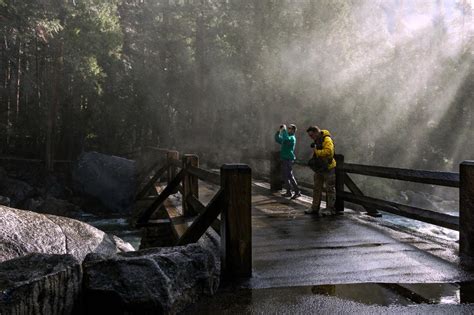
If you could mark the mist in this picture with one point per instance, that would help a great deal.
(392, 80)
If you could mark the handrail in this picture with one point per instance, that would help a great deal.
(204, 175)
(204, 220)
(176, 163)
(429, 216)
(200, 208)
(170, 188)
(150, 184)
(232, 202)
(447, 179)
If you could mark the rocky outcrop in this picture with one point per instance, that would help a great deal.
(16, 190)
(110, 179)
(40, 284)
(160, 280)
(4, 201)
(52, 205)
(24, 232)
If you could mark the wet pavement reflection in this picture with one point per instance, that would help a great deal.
(339, 296)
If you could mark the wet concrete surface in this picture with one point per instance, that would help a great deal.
(294, 249)
(339, 265)
(338, 299)
(291, 248)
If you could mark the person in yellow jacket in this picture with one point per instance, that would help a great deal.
(323, 153)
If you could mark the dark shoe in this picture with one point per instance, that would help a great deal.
(312, 211)
(328, 212)
(287, 194)
(296, 195)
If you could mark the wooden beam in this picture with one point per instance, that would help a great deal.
(175, 163)
(169, 190)
(276, 182)
(356, 191)
(339, 204)
(466, 213)
(236, 226)
(204, 175)
(142, 176)
(204, 220)
(418, 176)
(424, 215)
(198, 207)
(152, 182)
(190, 182)
(172, 157)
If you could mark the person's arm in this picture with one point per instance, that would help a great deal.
(285, 137)
(278, 138)
(327, 151)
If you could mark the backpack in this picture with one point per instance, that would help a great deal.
(319, 165)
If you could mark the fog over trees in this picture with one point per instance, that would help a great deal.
(392, 80)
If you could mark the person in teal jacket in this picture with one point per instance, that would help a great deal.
(287, 139)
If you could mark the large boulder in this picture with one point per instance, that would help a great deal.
(5, 201)
(110, 179)
(40, 284)
(24, 232)
(54, 206)
(15, 190)
(159, 280)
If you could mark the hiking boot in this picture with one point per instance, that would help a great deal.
(328, 212)
(296, 195)
(287, 194)
(312, 211)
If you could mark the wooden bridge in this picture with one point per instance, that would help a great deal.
(267, 241)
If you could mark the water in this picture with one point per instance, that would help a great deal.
(421, 227)
(431, 201)
(117, 226)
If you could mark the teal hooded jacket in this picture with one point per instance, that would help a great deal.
(288, 143)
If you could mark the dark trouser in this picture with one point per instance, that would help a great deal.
(289, 181)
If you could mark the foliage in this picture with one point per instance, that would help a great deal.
(203, 75)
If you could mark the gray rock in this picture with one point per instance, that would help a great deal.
(110, 179)
(33, 204)
(16, 190)
(40, 284)
(53, 188)
(23, 232)
(59, 207)
(159, 280)
(4, 201)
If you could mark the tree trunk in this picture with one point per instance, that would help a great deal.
(18, 83)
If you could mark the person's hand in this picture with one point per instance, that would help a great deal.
(313, 145)
(282, 127)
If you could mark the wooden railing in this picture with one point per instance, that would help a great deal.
(464, 180)
(232, 202)
(418, 176)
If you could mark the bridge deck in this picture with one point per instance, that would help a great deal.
(294, 249)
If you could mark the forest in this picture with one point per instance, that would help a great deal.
(392, 80)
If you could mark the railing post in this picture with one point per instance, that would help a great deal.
(275, 171)
(190, 183)
(466, 213)
(236, 221)
(171, 155)
(339, 182)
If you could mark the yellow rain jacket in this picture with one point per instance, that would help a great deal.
(325, 150)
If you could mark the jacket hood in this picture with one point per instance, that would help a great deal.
(326, 133)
